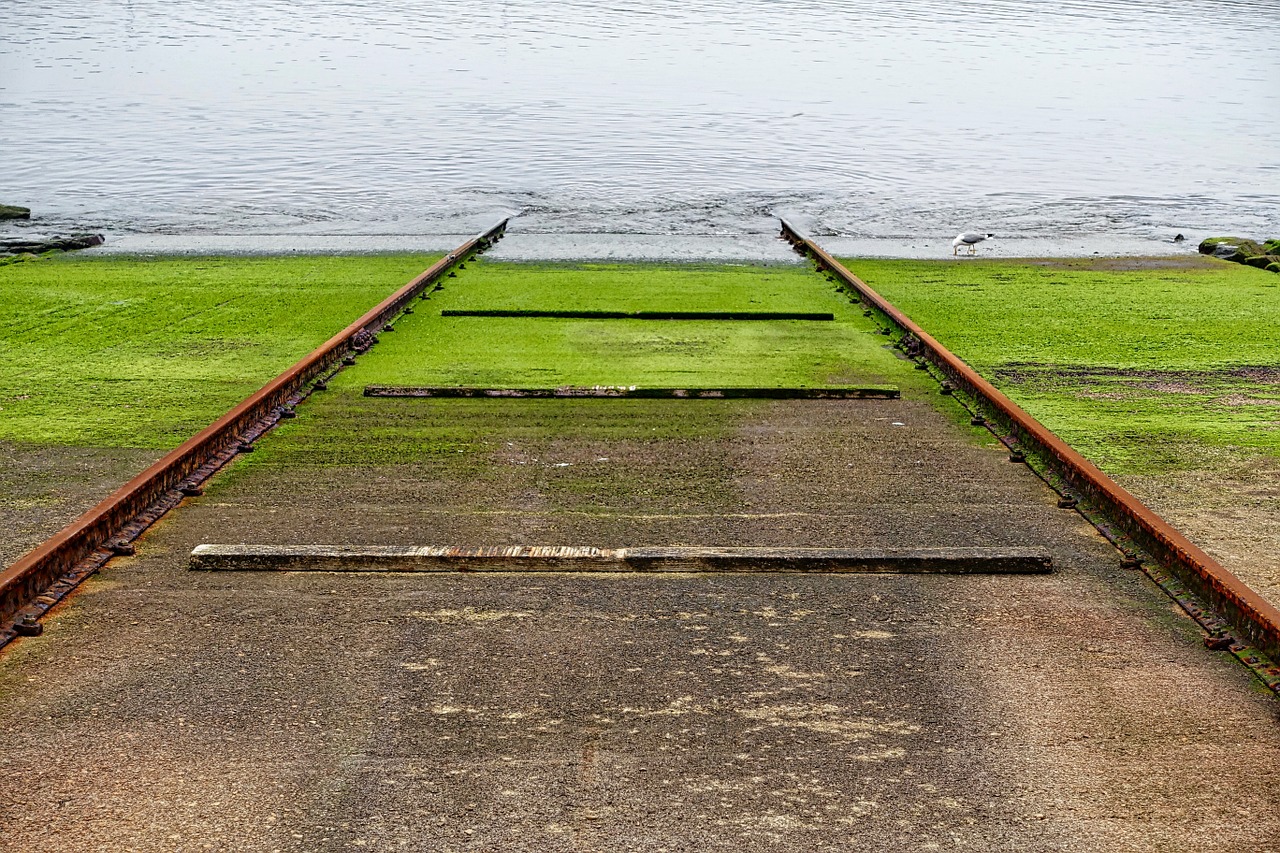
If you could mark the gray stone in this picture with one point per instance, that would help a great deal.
(61, 244)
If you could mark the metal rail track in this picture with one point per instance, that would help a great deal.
(1236, 617)
(41, 578)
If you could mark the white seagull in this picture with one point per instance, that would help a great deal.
(969, 239)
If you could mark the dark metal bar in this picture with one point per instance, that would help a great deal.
(44, 575)
(1255, 620)
(634, 392)
(638, 315)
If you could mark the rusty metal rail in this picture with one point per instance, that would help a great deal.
(38, 580)
(1254, 621)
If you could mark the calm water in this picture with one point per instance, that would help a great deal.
(691, 117)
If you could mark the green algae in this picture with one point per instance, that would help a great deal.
(521, 353)
(638, 287)
(1144, 366)
(144, 352)
(465, 433)
(430, 349)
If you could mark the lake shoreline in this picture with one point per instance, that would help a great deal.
(752, 247)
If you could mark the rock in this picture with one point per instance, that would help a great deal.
(1261, 261)
(59, 244)
(1273, 267)
(1271, 247)
(5, 260)
(12, 211)
(1230, 248)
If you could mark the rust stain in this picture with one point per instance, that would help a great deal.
(1249, 613)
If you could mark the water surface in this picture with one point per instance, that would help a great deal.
(869, 119)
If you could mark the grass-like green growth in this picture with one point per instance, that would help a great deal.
(463, 436)
(462, 433)
(428, 349)
(138, 352)
(637, 287)
(1145, 366)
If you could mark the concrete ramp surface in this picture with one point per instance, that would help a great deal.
(1071, 710)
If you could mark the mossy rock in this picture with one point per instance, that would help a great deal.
(61, 244)
(1262, 262)
(1273, 267)
(1236, 249)
(1271, 247)
(18, 259)
(12, 211)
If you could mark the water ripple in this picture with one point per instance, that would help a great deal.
(703, 116)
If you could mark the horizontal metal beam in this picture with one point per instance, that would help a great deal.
(638, 315)
(847, 392)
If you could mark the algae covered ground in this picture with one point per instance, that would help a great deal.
(1146, 366)
(638, 287)
(109, 362)
(430, 349)
(427, 348)
(138, 352)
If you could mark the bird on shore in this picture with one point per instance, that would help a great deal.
(969, 239)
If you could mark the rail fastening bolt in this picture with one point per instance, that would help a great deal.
(1219, 642)
(27, 625)
(123, 549)
(978, 420)
(245, 447)
(388, 328)
(1067, 502)
(1131, 561)
(191, 491)
(946, 389)
(1017, 456)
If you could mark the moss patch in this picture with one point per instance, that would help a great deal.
(464, 437)
(458, 436)
(637, 287)
(130, 352)
(1144, 368)
(429, 349)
